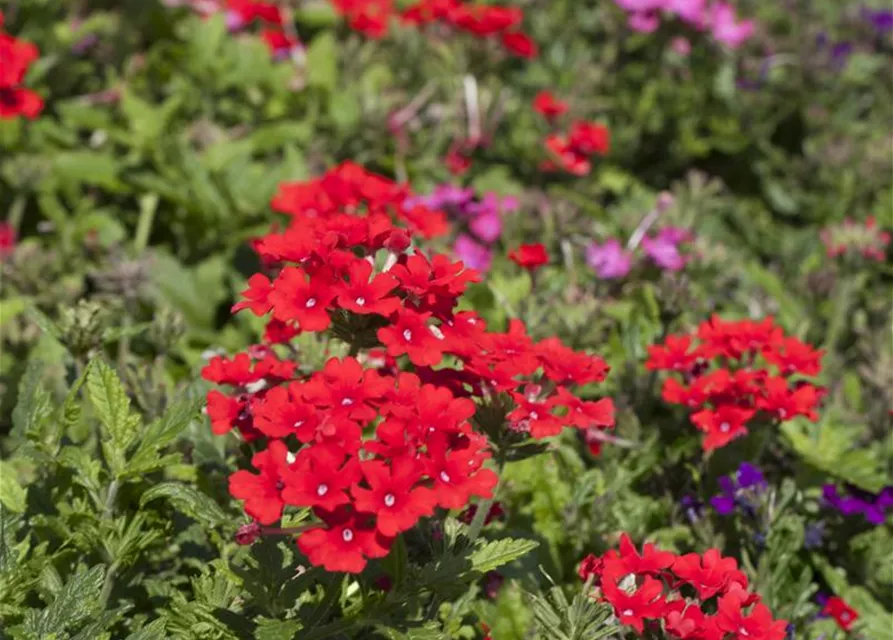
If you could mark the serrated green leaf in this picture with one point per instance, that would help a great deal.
(499, 552)
(277, 629)
(112, 406)
(33, 404)
(76, 602)
(188, 500)
(12, 494)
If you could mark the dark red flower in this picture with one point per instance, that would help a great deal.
(842, 613)
(520, 44)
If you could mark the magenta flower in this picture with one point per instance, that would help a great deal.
(609, 260)
(663, 249)
(473, 253)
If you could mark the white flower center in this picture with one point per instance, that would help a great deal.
(311, 302)
(298, 424)
(407, 335)
(444, 476)
(361, 301)
(743, 632)
(845, 616)
(782, 414)
(322, 490)
(724, 427)
(346, 402)
(347, 535)
(534, 415)
(626, 612)
(290, 457)
(389, 500)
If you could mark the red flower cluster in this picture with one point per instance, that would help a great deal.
(733, 372)
(371, 18)
(843, 614)
(373, 449)
(669, 591)
(16, 57)
(7, 239)
(571, 152)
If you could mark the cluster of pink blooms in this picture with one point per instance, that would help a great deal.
(853, 238)
(714, 16)
(480, 220)
(374, 443)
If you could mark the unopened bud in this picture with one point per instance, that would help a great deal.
(82, 327)
(248, 533)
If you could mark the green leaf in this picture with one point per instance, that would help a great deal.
(33, 405)
(322, 61)
(277, 629)
(162, 432)
(12, 494)
(499, 552)
(189, 501)
(74, 168)
(112, 406)
(152, 631)
(832, 448)
(75, 603)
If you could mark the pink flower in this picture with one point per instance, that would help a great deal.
(727, 29)
(487, 226)
(609, 260)
(472, 253)
(643, 22)
(663, 248)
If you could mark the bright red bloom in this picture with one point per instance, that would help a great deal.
(369, 17)
(360, 295)
(256, 296)
(548, 105)
(520, 44)
(283, 412)
(676, 354)
(757, 625)
(278, 42)
(411, 335)
(394, 497)
(842, 613)
(529, 256)
(566, 366)
(792, 356)
(345, 543)
(645, 603)
(297, 297)
(458, 474)
(535, 417)
(709, 574)
(722, 425)
(786, 403)
(250, 10)
(347, 389)
(629, 560)
(320, 478)
(567, 157)
(591, 565)
(16, 56)
(262, 492)
(589, 138)
(583, 414)
(223, 411)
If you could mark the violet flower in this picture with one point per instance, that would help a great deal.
(881, 20)
(609, 260)
(873, 507)
(734, 490)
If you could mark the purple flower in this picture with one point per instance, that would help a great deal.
(692, 507)
(872, 506)
(473, 253)
(734, 490)
(663, 248)
(814, 535)
(749, 477)
(881, 20)
(609, 260)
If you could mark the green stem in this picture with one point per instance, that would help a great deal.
(16, 212)
(148, 207)
(483, 510)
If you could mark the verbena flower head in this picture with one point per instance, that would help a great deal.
(714, 16)
(734, 373)
(851, 238)
(371, 449)
(655, 597)
(609, 260)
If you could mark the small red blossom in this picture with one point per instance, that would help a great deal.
(843, 614)
(520, 44)
(549, 106)
(529, 256)
(16, 57)
(344, 544)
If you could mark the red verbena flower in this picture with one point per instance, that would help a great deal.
(529, 256)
